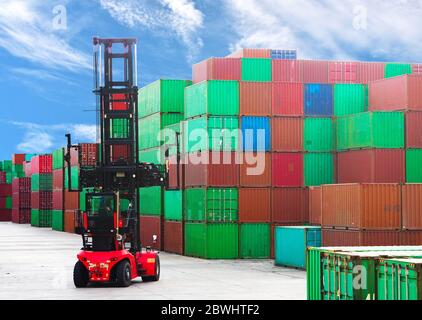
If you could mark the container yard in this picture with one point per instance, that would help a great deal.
(262, 175)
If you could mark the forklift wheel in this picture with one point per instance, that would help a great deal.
(123, 274)
(156, 277)
(80, 275)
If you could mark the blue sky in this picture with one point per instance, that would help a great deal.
(45, 75)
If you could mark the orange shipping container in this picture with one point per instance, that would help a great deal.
(69, 221)
(286, 70)
(362, 206)
(251, 53)
(356, 238)
(255, 170)
(287, 134)
(315, 205)
(255, 98)
(254, 205)
(412, 206)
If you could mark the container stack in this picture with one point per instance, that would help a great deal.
(17, 166)
(21, 211)
(6, 190)
(71, 198)
(160, 105)
(41, 191)
(58, 190)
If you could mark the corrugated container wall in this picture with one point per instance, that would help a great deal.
(287, 169)
(290, 205)
(258, 70)
(370, 71)
(251, 53)
(254, 241)
(343, 72)
(256, 134)
(287, 71)
(315, 205)
(217, 69)
(397, 69)
(254, 205)
(318, 100)
(353, 238)
(413, 129)
(319, 168)
(350, 99)
(255, 98)
(412, 206)
(173, 237)
(319, 135)
(287, 99)
(255, 169)
(315, 71)
(287, 134)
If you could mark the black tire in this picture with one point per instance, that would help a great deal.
(123, 274)
(156, 277)
(80, 275)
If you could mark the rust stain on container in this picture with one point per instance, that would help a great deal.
(149, 227)
(254, 205)
(290, 205)
(362, 206)
(255, 170)
(371, 166)
(352, 238)
(315, 205)
(412, 206)
(173, 240)
(287, 134)
(255, 98)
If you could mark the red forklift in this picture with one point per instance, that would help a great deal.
(109, 225)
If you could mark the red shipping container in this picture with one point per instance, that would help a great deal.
(58, 179)
(412, 206)
(18, 158)
(251, 53)
(21, 216)
(290, 205)
(71, 200)
(413, 129)
(58, 199)
(370, 71)
(69, 221)
(118, 103)
(286, 134)
(21, 200)
(398, 93)
(2, 202)
(254, 205)
(287, 169)
(42, 164)
(411, 238)
(3, 177)
(88, 154)
(417, 69)
(255, 98)
(42, 200)
(5, 215)
(286, 70)
(371, 166)
(217, 69)
(176, 173)
(5, 190)
(362, 206)
(174, 238)
(213, 169)
(150, 227)
(343, 72)
(287, 99)
(120, 153)
(255, 170)
(353, 238)
(315, 71)
(315, 206)
(21, 185)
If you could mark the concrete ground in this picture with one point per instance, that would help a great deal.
(38, 264)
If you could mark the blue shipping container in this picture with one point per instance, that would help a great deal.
(319, 100)
(291, 244)
(256, 134)
(284, 54)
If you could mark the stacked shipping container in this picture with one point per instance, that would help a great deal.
(21, 211)
(58, 214)
(6, 190)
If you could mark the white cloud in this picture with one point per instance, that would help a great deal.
(326, 28)
(26, 31)
(43, 138)
(178, 16)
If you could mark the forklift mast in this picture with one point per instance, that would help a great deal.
(115, 86)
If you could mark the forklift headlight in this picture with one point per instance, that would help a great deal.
(151, 260)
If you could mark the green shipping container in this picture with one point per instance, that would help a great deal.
(255, 241)
(74, 171)
(211, 133)
(166, 96)
(397, 69)
(350, 99)
(82, 197)
(170, 138)
(173, 205)
(42, 182)
(153, 155)
(215, 98)
(9, 178)
(414, 166)
(58, 159)
(291, 243)
(9, 203)
(7, 165)
(211, 205)
(150, 135)
(319, 135)
(41, 218)
(383, 130)
(399, 279)
(255, 69)
(119, 128)
(151, 201)
(57, 221)
(318, 169)
(212, 241)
